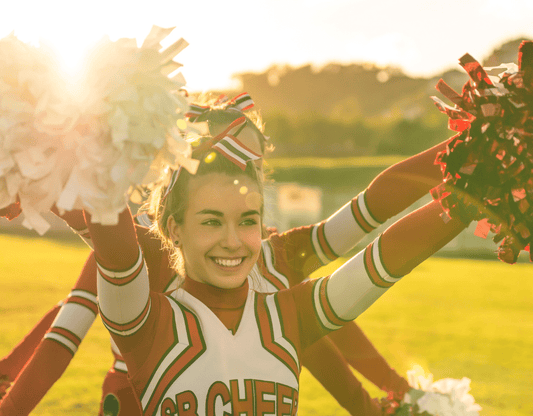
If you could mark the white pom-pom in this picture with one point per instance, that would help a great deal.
(88, 147)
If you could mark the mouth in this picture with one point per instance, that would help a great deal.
(228, 263)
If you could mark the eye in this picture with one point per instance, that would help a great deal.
(211, 221)
(249, 221)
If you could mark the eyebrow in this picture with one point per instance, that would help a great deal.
(210, 212)
(251, 212)
(220, 214)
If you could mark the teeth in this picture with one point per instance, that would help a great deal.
(228, 262)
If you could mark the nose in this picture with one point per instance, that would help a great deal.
(231, 239)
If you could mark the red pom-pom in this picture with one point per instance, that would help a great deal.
(488, 165)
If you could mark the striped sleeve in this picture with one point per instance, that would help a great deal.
(343, 230)
(74, 320)
(353, 287)
(124, 298)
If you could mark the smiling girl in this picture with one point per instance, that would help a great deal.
(286, 260)
(214, 345)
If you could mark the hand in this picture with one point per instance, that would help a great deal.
(12, 211)
(5, 383)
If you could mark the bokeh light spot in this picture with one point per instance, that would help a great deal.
(210, 157)
(243, 190)
(182, 124)
(253, 200)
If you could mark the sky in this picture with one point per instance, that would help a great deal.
(422, 37)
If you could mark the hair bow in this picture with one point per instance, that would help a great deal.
(227, 144)
(241, 102)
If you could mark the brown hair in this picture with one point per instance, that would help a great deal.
(175, 203)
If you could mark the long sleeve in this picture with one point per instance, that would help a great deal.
(359, 351)
(400, 185)
(123, 288)
(326, 304)
(368, 275)
(56, 348)
(46, 366)
(328, 366)
(14, 362)
(391, 192)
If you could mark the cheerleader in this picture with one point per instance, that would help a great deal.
(283, 265)
(214, 344)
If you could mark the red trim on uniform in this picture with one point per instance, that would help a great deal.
(262, 264)
(270, 277)
(273, 279)
(83, 302)
(358, 216)
(67, 334)
(266, 332)
(121, 281)
(186, 358)
(326, 307)
(324, 245)
(372, 271)
(129, 325)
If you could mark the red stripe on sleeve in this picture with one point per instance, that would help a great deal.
(129, 325)
(324, 245)
(358, 216)
(326, 307)
(84, 302)
(72, 337)
(371, 269)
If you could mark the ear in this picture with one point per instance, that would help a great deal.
(174, 230)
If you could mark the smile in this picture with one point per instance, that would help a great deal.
(228, 262)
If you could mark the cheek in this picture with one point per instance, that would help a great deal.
(253, 239)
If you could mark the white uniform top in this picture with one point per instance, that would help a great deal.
(216, 368)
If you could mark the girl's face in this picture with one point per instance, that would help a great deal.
(220, 237)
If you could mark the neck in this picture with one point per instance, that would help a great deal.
(226, 304)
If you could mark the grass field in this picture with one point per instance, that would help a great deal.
(455, 318)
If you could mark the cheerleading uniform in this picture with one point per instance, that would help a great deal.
(80, 310)
(187, 356)
(287, 259)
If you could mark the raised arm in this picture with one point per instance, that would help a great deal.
(305, 249)
(368, 275)
(13, 363)
(328, 303)
(123, 287)
(53, 352)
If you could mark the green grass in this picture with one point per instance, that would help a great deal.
(330, 162)
(455, 318)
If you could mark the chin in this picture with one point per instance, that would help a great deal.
(230, 283)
